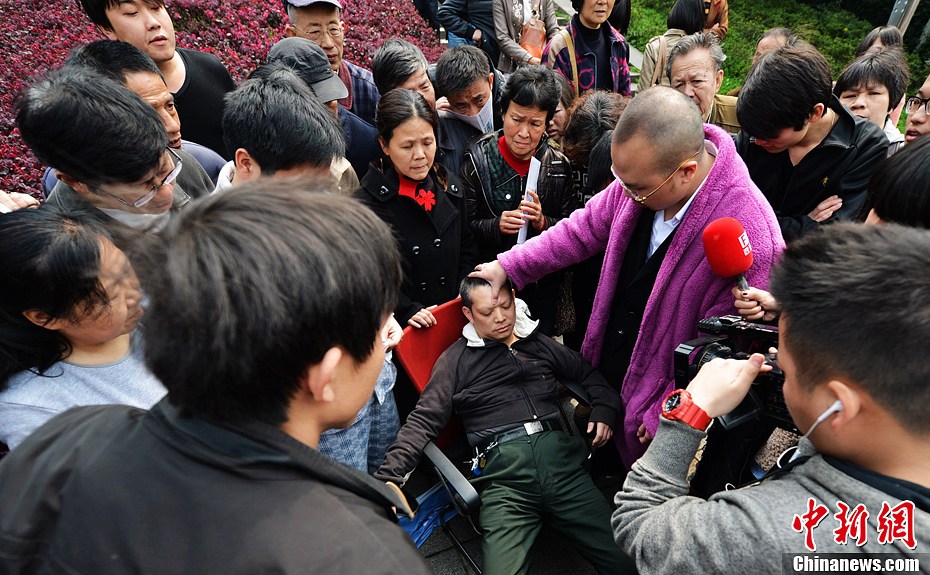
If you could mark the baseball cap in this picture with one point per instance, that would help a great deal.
(305, 3)
(310, 63)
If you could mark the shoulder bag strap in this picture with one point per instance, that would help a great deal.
(660, 62)
(567, 35)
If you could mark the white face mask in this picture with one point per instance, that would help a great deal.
(152, 223)
(483, 122)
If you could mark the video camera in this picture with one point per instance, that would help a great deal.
(732, 337)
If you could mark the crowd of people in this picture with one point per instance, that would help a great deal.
(197, 321)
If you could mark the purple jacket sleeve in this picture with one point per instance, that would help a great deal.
(572, 240)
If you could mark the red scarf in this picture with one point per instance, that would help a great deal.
(522, 167)
(417, 191)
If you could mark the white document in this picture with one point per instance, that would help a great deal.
(532, 178)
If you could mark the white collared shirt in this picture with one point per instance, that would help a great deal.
(662, 229)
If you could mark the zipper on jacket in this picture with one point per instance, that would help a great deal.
(522, 387)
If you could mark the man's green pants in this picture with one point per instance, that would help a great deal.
(541, 479)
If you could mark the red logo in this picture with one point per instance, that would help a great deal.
(852, 524)
(893, 523)
(808, 521)
(897, 523)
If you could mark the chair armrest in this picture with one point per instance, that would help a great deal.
(463, 494)
(578, 392)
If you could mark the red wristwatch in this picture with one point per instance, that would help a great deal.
(678, 406)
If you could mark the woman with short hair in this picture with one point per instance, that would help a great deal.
(494, 175)
(871, 88)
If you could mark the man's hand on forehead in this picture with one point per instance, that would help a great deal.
(494, 274)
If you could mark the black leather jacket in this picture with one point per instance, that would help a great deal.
(555, 187)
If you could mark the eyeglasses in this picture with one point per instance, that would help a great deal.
(642, 199)
(169, 179)
(334, 31)
(915, 103)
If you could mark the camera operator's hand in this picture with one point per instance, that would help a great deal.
(755, 304)
(722, 384)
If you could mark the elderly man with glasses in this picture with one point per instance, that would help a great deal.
(320, 21)
(674, 176)
(109, 149)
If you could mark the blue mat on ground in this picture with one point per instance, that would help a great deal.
(432, 503)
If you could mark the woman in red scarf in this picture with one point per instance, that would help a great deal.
(423, 204)
(495, 173)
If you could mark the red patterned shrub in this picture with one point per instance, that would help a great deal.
(37, 36)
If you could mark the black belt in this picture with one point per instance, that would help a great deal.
(525, 430)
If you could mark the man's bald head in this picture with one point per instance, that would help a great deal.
(668, 121)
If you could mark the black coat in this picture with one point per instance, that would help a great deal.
(111, 489)
(462, 17)
(361, 141)
(437, 247)
(842, 164)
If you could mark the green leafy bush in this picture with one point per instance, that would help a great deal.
(836, 32)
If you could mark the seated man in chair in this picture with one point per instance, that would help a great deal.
(500, 378)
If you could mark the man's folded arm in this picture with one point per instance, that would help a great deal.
(568, 364)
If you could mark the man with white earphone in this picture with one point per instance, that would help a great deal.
(853, 338)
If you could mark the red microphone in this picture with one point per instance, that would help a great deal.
(728, 250)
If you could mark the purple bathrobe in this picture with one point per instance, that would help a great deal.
(685, 291)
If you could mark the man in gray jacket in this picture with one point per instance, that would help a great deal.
(853, 331)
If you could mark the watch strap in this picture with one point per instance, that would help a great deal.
(687, 411)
